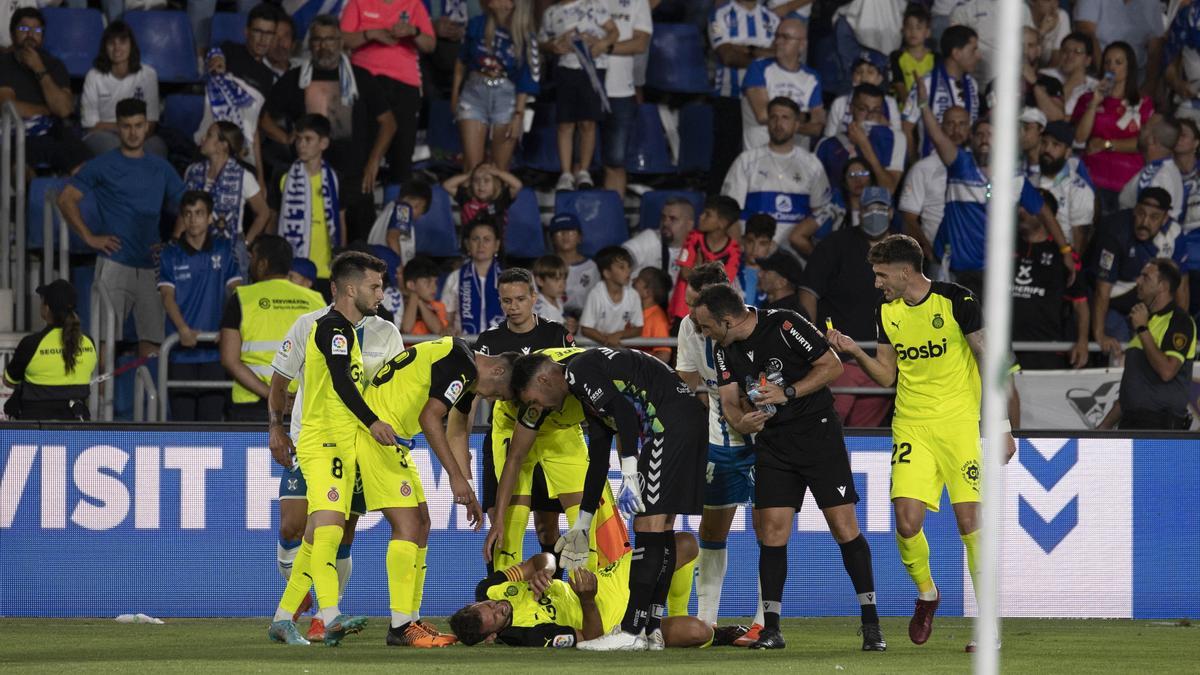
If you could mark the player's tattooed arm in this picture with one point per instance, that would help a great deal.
(975, 342)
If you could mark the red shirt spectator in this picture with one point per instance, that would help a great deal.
(695, 252)
(398, 61)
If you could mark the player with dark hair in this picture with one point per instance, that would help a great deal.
(774, 370)
(635, 396)
(931, 349)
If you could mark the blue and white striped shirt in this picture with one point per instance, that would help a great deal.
(734, 24)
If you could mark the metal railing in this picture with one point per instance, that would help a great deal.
(164, 380)
(145, 398)
(49, 212)
(103, 322)
(12, 181)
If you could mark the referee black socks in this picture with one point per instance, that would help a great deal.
(856, 556)
(772, 574)
(649, 555)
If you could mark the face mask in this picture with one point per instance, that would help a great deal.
(874, 224)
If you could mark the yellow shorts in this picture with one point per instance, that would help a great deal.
(612, 591)
(389, 475)
(328, 469)
(561, 452)
(924, 458)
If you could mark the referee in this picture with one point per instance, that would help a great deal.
(780, 359)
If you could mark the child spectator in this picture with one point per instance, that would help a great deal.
(117, 73)
(395, 221)
(304, 272)
(758, 242)
(652, 286)
(423, 314)
(472, 292)
(582, 274)
(580, 33)
(310, 215)
(195, 273)
(486, 190)
(915, 58)
(613, 311)
(709, 242)
(571, 319)
(550, 272)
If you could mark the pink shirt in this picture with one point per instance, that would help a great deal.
(1108, 169)
(397, 62)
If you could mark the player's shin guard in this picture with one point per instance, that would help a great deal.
(711, 566)
(971, 541)
(856, 556)
(662, 588)
(512, 540)
(324, 569)
(401, 576)
(419, 582)
(772, 575)
(914, 553)
(298, 583)
(285, 556)
(648, 556)
(345, 566)
(681, 589)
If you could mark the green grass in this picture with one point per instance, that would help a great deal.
(68, 647)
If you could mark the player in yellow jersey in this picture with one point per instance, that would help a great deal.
(413, 392)
(334, 412)
(526, 606)
(931, 348)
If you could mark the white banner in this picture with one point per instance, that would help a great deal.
(1077, 399)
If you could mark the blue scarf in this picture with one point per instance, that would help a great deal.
(295, 220)
(228, 205)
(938, 77)
(226, 97)
(1147, 174)
(472, 298)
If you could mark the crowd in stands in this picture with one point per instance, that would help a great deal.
(424, 130)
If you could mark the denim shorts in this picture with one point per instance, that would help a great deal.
(618, 129)
(491, 104)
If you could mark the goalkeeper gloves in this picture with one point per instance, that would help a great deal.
(572, 547)
(630, 500)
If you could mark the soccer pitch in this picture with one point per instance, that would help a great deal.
(814, 645)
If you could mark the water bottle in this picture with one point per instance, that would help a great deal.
(752, 393)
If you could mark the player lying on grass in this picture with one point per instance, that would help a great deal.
(525, 606)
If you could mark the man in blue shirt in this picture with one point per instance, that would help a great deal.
(195, 273)
(130, 188)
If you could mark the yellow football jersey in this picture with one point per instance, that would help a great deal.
(328, 417)
(507, 413)
(443, 369)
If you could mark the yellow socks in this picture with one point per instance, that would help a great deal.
(401, 576)
(914, 553)
(298, 583)
(419, 582)
(971, 541)
(512, 541)
(323, 568)
(681, 589)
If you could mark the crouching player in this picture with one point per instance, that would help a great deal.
(525, 606)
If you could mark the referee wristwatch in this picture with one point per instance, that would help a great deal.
(790, 392)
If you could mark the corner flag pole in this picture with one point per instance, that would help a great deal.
(997, 306)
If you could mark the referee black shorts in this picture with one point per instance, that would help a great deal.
(673, 462)
(809, 454)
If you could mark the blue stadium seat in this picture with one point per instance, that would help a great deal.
(524, 236)
(695, 137)
(166, 41)
(443, 132)
(35, 208)
(601, 214)
(677, 62)
(183, 113)
(648, 152)
(73, 37)
(539, 147)
(653, 202)
(227, 27)
(434, 231)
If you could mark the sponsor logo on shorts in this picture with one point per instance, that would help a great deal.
(405, 489)
(333, 495)
(970, 471)
(454, 391)
(340, 346)
(929, 350)
(293, 484)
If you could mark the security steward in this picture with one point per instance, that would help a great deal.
(52, 368)
(1158, 360)
(256, 321)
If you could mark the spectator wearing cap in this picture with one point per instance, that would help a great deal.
(303, 272)
(923, 196)
(1156, 143)
(1062, 174)
(1125, 242)
(1156, 379)
(51, 369)
(740, 32)
(779, 276)
(870, 68)
(711, 241)
(40, 86)
(659, 247)
(1074, 61)
(838, 288)
(783, 75)
(1032, 121)
(582, 274)
(868, 136)
(948, 85)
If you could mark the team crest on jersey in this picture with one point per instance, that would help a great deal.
(333, 495)
(775, 366)
(970, 471)
(511, 591)
(783, 203)
(405, 489)
(454, 391)
(340, 346)
(216, 261)
(938, 321)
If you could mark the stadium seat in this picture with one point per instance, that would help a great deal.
(227, 27)
(539, 147)
(677, 62)
(695, 137)
(648, 152)
(183, 113)
(600, 213)
(435, 231)
(523, 235)
(73, 37)
(653, 202)
(166, 41)
(35, 208)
